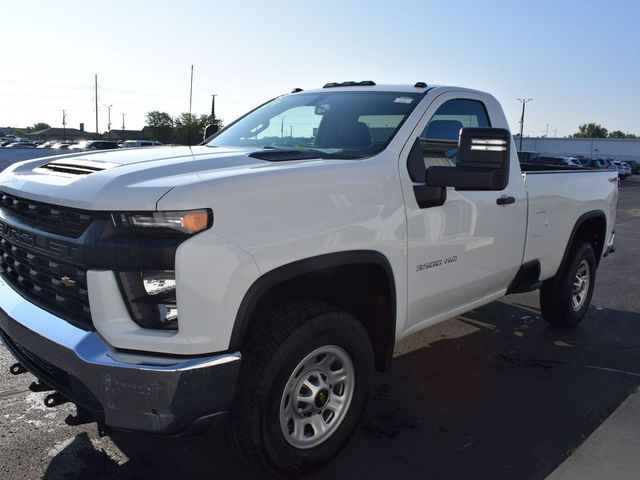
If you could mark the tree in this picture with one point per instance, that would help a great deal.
(160, 125)
(189, 128)
(591, 130)
(39, 126)
(621, 134)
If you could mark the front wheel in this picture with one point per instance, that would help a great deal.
(305, 379)
(565, 298)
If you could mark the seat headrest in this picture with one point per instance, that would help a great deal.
(443, 130)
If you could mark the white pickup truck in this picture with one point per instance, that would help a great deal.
(267, 273)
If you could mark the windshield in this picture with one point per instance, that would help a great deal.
(325, 125)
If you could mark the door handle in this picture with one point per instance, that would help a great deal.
(505, 200)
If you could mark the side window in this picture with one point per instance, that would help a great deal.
(439, 139)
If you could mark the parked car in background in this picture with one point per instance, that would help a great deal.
(623, 169)
(47, 144)
(22, 145)
(95, 145)
(598, 163)
(139, 143)
(634, 165)
(5, 143)
(552, 161)
(61, 146)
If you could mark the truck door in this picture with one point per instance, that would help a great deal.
(466, 251)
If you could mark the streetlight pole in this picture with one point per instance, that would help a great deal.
(123, 126)
(523, 101)
(96, 80)
(109, 119)
(64, 125)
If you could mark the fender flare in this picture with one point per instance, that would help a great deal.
(300, 267)
(581, 220)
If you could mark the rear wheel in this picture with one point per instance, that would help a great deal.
(305, 379)
(565, 298)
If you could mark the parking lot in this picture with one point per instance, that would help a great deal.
(495, 393)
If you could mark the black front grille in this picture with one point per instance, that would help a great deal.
(55, 286)
(68, 385)
(69, 222)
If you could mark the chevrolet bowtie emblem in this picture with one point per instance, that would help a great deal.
(67, 282)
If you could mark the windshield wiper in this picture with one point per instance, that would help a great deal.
(283, 154)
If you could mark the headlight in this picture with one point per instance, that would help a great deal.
(151, 298)
(188, 221)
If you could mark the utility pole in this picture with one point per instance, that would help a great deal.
(64, 125)
(213, 107)
(96, 83)
(523, 101)
(190, 98)
(109, 119)
(123, 126)
(546, 133)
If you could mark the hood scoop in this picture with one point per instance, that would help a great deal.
(74, 168)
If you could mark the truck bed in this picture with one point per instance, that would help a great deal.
(557, 198)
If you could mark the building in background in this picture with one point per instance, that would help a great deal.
(618, 149)
(61, 133)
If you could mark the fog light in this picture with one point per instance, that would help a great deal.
(157, 283)
(151, 298)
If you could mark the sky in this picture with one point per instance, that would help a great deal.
(578, 60)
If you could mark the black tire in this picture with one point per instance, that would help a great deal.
(556, 294)
(274, 348)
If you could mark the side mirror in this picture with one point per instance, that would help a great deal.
(483, 161)
(210, 130)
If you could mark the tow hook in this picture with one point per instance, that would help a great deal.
(39, 387)
(17, 369)
(54, 399)
(82, 417)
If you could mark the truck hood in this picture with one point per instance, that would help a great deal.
(129, 179)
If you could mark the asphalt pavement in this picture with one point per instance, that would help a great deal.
(493, 394)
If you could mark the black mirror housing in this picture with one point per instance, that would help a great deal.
(210, 130)
(483, 161)
(484, 148)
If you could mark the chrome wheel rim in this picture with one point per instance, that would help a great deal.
(317, 397)
(580, 285)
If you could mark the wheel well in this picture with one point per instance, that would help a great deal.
(364, 289)
(593, 231)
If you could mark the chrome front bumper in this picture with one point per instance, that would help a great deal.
(127, 391)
